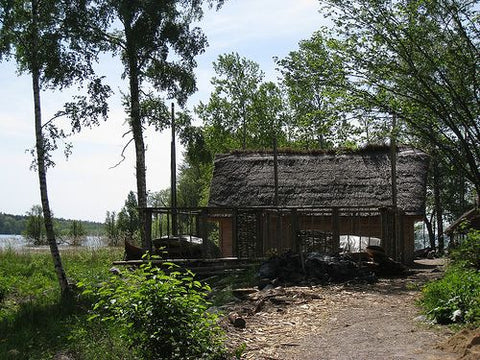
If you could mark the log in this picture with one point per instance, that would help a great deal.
(244, 294)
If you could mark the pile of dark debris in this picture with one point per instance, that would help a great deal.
(316, 268)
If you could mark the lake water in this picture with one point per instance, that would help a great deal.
(18, 242)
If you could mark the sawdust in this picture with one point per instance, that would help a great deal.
(466, 343)
(348, 321)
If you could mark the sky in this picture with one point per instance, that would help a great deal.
(85, 186)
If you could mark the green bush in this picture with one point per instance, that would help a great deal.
(455, 297)
(161, 313)
(468, 252)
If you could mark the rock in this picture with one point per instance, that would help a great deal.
(13, 353)
(237, 321)
(115, 271)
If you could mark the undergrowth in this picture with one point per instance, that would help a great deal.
(36, 323)
(136, 314)
(161, 312)
(455, 298)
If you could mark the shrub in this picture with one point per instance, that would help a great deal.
(468, 252)
(455, 297)
(162, 313)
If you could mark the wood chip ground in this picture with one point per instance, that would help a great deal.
(358, 321)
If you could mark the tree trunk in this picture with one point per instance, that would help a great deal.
(431, 234)
(41, 169)
(137, 130)
(438, 204)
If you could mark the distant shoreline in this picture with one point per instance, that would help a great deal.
(18, 242)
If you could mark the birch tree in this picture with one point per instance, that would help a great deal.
(39, 35)
(157, 44)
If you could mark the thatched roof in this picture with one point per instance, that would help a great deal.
(469, 220)
(360, 178)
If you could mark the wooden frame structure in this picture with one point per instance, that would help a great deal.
(259, 231)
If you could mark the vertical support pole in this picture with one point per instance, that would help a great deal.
(275, 169)
(202, 227)
(260, 243)
(294, 230)
(173, 176)
(388, 230)
(393, 161)
(197, 223)
(160, 225)
(148, 229)
(235, 233)
(403, 251)
(336, 229)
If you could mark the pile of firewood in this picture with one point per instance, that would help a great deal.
(315, 268)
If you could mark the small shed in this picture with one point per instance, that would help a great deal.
(470, 220)
(320, 196)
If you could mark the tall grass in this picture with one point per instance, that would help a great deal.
(36, 323)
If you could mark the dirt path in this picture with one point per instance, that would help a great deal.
(368, 321)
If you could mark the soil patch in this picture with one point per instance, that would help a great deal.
(466, 343)
(345, 321)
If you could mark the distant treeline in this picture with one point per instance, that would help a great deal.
(16, 224)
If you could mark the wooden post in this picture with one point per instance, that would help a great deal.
(388, 230)
(260, 244)
(202, 227)
(148, 229)
(235, 232)
(173, 176)
(275, 169)
(197, 223)
(402, 246)
(336, 229)
(294, 230)
(393, 162)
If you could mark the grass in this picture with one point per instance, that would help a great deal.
(36, 323)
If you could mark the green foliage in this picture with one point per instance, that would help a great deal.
(414, 60)
(316, 83)
(12, 224)
(35, 227)
(36, 323)
(243, 111)
(17, 224)
(468, 253)
(125, 224)
(128, 221)
(161, 312)
(76, 232)
(111, 230)
(456, 297)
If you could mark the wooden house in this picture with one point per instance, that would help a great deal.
(319, 197)
(470, 220)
